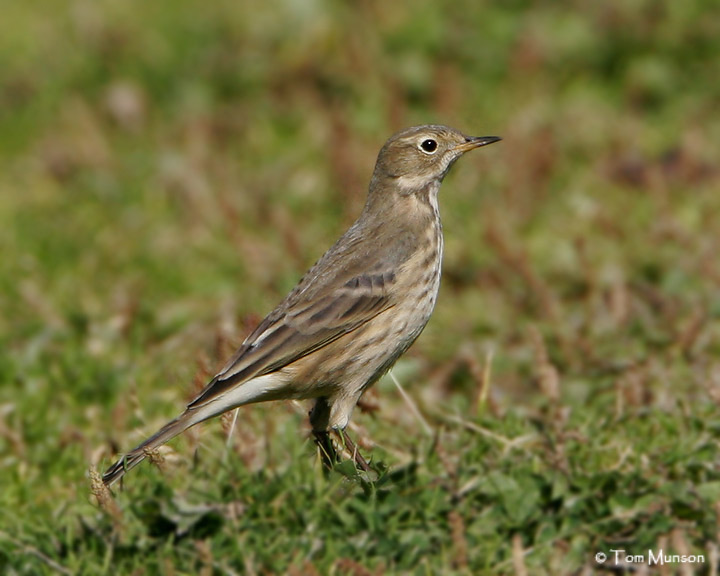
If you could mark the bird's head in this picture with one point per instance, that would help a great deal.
(422, 155)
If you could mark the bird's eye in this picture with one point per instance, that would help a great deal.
(428, 146)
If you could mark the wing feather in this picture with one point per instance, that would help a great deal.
(301, 325)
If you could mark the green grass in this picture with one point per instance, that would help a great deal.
(167, 173)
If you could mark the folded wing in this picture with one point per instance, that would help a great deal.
(299, 326)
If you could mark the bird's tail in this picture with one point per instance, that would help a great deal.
(267, 387)
(139, 453)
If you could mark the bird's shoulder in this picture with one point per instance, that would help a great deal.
(350, 279)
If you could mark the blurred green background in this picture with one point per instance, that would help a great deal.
(168, 170)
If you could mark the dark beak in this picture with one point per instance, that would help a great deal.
(472, 142)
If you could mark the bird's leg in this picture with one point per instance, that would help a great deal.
(327, 451)
(330, 449)
(319, 418)
(350, 446)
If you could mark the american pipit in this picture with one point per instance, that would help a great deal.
(355, 311)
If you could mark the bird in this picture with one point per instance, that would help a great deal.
(354, 312)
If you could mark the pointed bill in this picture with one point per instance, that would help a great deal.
(472, 142)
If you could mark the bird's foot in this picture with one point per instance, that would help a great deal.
(332, 451)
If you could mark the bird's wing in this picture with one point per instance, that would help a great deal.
(301, 325)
